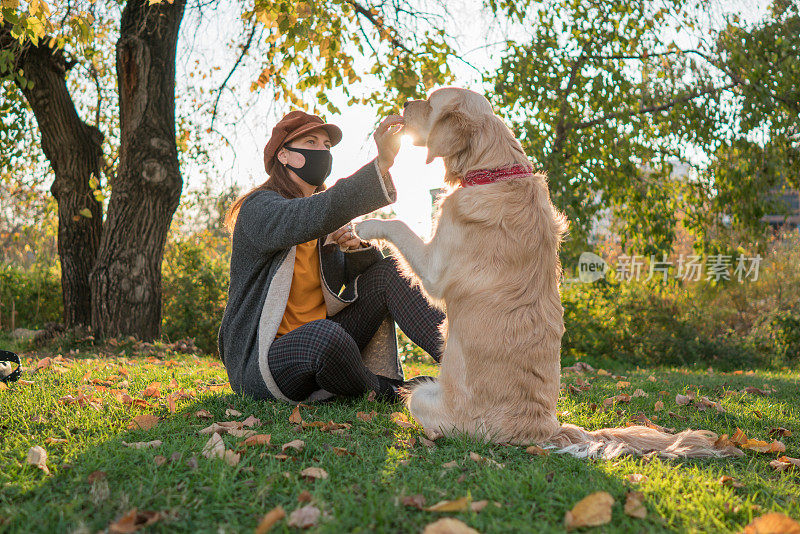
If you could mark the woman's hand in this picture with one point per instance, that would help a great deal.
(387, 138)
(346, 238)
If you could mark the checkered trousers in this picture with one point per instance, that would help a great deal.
(327, 353)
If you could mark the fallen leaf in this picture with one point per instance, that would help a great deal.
(159, 460)
(251, 421)
(636, 478)
(203, 414)
(366, 417)
(602, 372)
(780, 432)
(133, 521)
(231, 458)
(623, 384)
(726, 480)
(152, 390)
(449, 525)
(651, 378)
(739, 437)
(44, 363)
(458, 505)
(304, 517)
(241, 432)
(95, 476)
(622, 397)
(296, 444)
(756, 391)
(477, 506)
(537, 451)
(413, 501)
(305, 496)
(230, 412)
(784, 462)
(401, 420)
(658, 406)
(450, 465)
(51, 441)
(37, 457)
(426, 442)
(639, 393)
(591, 511)
(296, 418)
(144, 421)
(314, 473)
(214, 447)
(682, 400)
(773, 523)
(258, 439)
(475, 457)
(634, 505)
(143, 444)
(579, 367)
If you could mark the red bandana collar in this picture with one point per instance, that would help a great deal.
(490, 176)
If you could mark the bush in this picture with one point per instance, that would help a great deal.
(195, 290)
(35, 295)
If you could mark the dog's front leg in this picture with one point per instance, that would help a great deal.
(423, 258)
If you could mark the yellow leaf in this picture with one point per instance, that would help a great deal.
(272, 517)
(458, 505)
(449, 525)
(591, 511)
(773, 523)
(85, 213)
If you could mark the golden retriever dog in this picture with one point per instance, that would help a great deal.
(492, 265)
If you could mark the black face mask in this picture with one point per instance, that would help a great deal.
(316, 168)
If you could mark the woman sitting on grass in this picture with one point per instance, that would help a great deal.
(306, 296)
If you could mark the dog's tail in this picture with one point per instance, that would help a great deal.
(613, 442)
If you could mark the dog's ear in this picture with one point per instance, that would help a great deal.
(450, 133)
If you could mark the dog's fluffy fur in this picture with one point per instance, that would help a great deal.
(493, 265)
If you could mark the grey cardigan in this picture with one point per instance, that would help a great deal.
(267, 231)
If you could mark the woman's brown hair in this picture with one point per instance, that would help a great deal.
(279, 181)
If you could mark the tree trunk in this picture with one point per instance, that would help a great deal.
(126, 280)
(74, 151)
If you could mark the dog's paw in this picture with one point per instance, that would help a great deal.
(370, 229)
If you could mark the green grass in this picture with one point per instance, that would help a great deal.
(363, 491)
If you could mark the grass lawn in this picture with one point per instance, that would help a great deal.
(84, 434)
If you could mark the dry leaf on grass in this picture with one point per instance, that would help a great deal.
(401, 420)
(537, 451)
(133, 521)
(95, 476)
(305, 496)
(449, 525)
(773, 523)
(784, 462)
(779, 432)
(634, 505)
(159, 460)
(258, 439)
(622, 397)
(366, 417)
(269, 520)
(458, 505)
(203, 414)
(591, 511)
(639, 393)
(475, 457)
(623, 384)
(314, 473)
(426, 442)
(450, 465)
(304, 517)
(414, 501)
(726, 480)
(37, 457)
(683, 400)
(144, 421)
(230, 412)
(143, 444)
(241, 432)
(214, 447)
(296, 444)
(658, 406)
(251, 421)
(636, 478)
(296, 418)
(477, 506)
(51, 440)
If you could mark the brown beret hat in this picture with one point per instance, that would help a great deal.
(292, 126)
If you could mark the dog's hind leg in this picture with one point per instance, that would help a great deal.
(427, 407)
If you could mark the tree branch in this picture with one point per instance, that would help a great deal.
(648, 109)
(366, 13)
(245, 49)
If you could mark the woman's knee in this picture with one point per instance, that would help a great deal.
(332, 339)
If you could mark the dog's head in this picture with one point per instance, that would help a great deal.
(459, 126)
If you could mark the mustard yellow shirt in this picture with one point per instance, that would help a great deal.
(306, 302)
